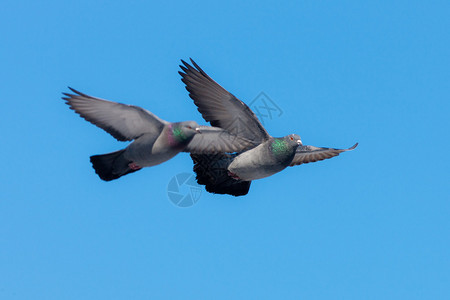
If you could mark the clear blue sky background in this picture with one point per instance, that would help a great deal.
(369, 224)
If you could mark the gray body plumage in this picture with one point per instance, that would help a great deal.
(150, 150)
(262, 161)
(232, 174)
(154, 140)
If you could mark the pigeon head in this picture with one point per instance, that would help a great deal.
(183, 132)
(294, 139)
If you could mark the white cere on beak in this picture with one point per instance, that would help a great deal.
(299, 142)
(198, 130)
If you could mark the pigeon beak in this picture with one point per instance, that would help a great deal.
(299, 142)
(198, 130)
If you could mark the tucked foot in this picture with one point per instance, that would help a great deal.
(232, 175)
(134, 166)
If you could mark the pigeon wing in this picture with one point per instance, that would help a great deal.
(123, 122)
(219, 107)
(217, 140)
(308, 154)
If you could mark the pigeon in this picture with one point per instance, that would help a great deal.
(232, 173)
(154, 140)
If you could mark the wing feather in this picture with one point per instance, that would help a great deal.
(308, 154)
(123, 122)
(219, 107)
(217, 140)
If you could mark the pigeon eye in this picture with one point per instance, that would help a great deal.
(189, 127)
(291, 138)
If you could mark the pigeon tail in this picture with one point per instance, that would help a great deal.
(211, 170)
(112, 165)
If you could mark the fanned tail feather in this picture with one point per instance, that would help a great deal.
(111, 166)
(211, 170)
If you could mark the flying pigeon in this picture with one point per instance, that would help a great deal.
(232, 173)
(154, 140)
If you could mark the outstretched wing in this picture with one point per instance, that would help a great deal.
(219, 107)
(124, 122)
(217, 140)
(307, 154)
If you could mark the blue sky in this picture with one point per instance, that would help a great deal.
(369, 224)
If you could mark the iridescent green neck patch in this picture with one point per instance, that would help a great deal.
(179, 134)
(279, 147)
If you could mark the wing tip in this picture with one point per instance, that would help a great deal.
(194, 67)
(74, 90)
(76, 93)
(185, 65)
(353, 147)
